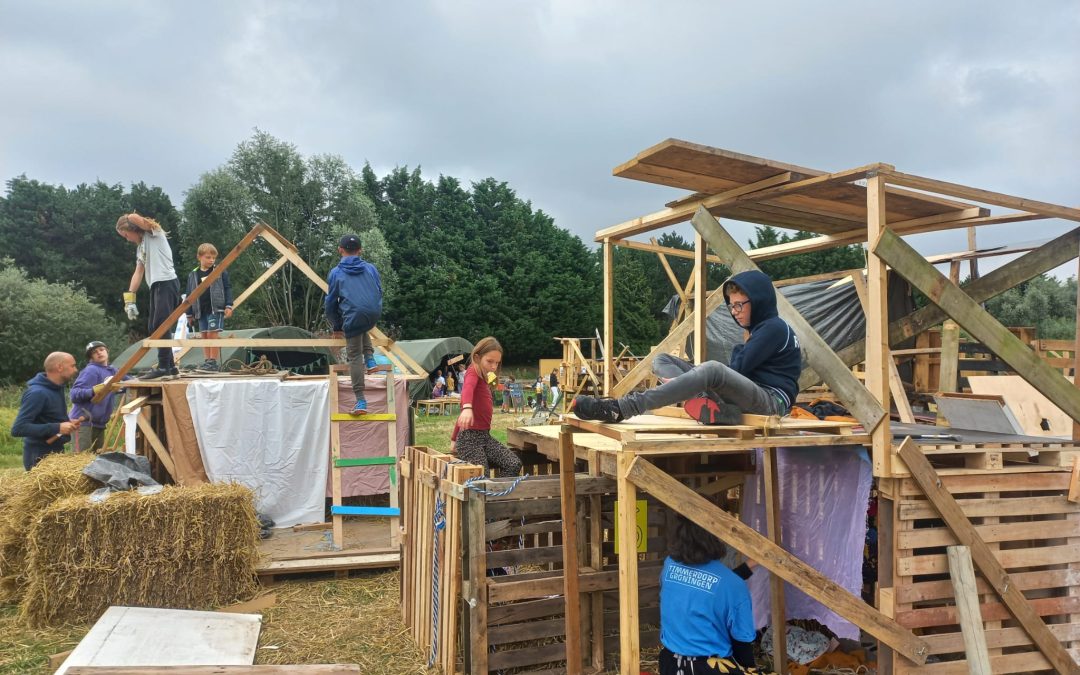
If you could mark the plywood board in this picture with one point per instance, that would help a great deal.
(147, 636)
(1031, 408)
(984, 414)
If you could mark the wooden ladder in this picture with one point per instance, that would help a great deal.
(338, 511)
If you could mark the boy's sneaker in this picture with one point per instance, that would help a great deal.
(711, 413)
(369, 362)
(360, 408)
(593, 408)
(210, 365)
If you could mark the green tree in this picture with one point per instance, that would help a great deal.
(804, 264)
(1044, 302)
(307, 200)
(38, 317)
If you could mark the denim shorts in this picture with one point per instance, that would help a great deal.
(214, 321)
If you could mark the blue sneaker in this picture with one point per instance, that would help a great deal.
(370, 363)
(360, 408)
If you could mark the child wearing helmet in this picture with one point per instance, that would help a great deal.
(91, 380)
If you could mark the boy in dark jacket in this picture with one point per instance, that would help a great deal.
(353, 306)
(91, 380)
(42, 421)
(762, 378)
(214, 305)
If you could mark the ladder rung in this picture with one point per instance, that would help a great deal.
(365, 511)
(364, 461)
(370, 417)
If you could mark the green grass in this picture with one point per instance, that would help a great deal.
(10, 448)
(433, 431)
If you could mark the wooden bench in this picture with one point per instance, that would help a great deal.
(443, 405)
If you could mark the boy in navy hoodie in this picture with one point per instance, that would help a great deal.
(91, 436)
(762, 378)
(353, 306)
(42, 421)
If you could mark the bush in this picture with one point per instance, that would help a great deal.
(38, 317)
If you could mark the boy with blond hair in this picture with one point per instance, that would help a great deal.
(208, 314)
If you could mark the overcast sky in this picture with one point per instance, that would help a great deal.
(550, 96)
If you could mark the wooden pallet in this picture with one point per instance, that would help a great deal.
(1034, 533)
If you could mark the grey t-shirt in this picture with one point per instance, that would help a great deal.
(155, 254)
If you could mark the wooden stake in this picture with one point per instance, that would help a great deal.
(774, 522)
(571, 594)
(629, 629)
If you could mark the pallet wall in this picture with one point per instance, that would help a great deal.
(1035, 532)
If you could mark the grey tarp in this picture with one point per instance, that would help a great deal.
(430, 355)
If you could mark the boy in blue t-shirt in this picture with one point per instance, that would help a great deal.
(706, 618)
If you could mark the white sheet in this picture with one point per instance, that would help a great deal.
(269, 435)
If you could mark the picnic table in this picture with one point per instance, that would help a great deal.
(444, 405)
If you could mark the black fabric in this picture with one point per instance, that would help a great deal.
(206, 305)
(743, 652)
(743, 571)
(672, 664)
(164, 298)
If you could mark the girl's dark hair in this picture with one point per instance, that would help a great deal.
(692, 544)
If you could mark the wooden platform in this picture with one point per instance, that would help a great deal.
(307, 551)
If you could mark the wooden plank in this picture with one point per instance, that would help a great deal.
(263, 278)
(775, 559)
(474, 594)
(983, 196)
(629, 628)
(984, 558)
(778, 610)
(336, 489)
(569, 548)
(877, 331)
(143, 421)
(979, 323)
(392, 455)
(246, 342)
(330, 564)
(820, 356)
(701, 317)
(967, 605)
(609, 315)
(145, 636)
(262, 669)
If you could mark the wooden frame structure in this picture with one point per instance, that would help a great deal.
(289, 254)
(876, 205)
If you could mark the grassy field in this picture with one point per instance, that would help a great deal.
(355, 620)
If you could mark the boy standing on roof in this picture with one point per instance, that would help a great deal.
(353, 306)
(762, 378)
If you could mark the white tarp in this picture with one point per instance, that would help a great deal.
(269, 435)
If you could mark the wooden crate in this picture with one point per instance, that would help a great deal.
(1035, 534)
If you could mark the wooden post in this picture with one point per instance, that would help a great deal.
(967, 606)
(988, 565)
(391, 451)
(973, 264)
(949, 368)
(571, 594)
(701, 317)
(629, 629)
(1076, 363)
(475, 593)
(335, 455)
(609, 315)
(596, 562)
(773, 520)
(877, 327)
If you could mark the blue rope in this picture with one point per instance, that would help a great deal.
(438, 524)
(471, 484)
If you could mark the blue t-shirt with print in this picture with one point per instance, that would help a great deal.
(702, 608)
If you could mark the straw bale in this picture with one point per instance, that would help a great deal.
(184, 548)
(57, 476)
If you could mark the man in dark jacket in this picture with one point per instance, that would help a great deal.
(42, 421)
(353, 306)
(762, 378)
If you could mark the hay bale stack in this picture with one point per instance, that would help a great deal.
(57, 476)
(184, 547)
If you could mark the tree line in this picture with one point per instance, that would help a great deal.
(455, 259)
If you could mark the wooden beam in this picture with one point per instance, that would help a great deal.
(670, 272)
(818, 353)
(978, 322)
(988, 565)
(214, 275)
(609, 314)
(962, 574)
(571, 589)
(790, 568)
(653, 247)
(681, 214)
(701, 317)
(774, 531)
(877, 328)
(1043, 259)
(674, 339)
(262, 343)
(629, 619)
(895, 177)
(257, 284)
(143, 421)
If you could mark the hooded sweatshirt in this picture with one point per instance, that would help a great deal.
(770, 356)
(41, 411)
(82, 395)
(354, 296)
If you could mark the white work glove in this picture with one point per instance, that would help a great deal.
(130, 307)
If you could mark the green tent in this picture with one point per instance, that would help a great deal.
(430, 354)
(299, 360)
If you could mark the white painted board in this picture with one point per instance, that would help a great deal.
(147, 636)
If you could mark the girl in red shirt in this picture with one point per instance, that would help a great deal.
(472, 438)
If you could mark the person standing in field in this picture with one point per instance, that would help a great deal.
(471, 439)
